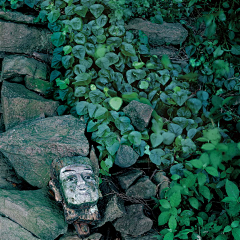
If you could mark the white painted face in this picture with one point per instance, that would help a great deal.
(78, 184)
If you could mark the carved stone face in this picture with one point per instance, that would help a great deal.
(78, 184)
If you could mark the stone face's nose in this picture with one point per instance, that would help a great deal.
(80, 182)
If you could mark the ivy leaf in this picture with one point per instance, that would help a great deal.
(116, 31)
(96, 96)
(156, 139)
(165, 61)
(114, 41)
(77, 23)
(194, 202)
(156, 155)
(96, 10)
(194, 105)
(80, 38)
(135, 138)
(102, 20)
(232, 189)
(79, 68)
(57, 39)
(102, 62)
(90, 49)
(67, 61)
(81, 11)
(79, 51)
(127, 49)
(53, 16)
(112, 58)
(181, 121)
(180, 97)
(134, 75)
(82, 79)
(101, 113)
(168, 138)
(157, 125)
(218, 52)
(82, 108)
(174, 128)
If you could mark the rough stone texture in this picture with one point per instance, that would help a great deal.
(44, 57)
(134, 222)
(94, 236)
(20, 104)
(162, 181)
(8, 177)
(12, 231)
(159, 34)
(143, 188)
(34, 211)
(139, 114)
(37, 85)
(126, 156)
(73, 236)
(159, 51)
(151, 235)
(17, 17)
(111, 209)
(127, 179)
(21, 38)
(32, 146)
(20, 66)
(2, 127)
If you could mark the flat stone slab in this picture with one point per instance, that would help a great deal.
(32, 146)
(134, 222)
(21, 38)
(12, 230)
(159, 34)
(34, 211)
(20, 104)
(16, 66)
(139, 113)
(143, 188)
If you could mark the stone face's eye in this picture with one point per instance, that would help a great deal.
(88, 177)
(71, 178)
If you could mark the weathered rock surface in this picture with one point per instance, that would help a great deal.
(139, 114)
(159, 34)
(17, 17)
(20, 104)
(134, 222)
(2, 127)
(20, 66)
(162, 181)
(21, 38)
(11, 230)
(127, 179)
(37, 85)
(143, 188)
(159, 51)
(111, 210)
(151, 235)
(34, 211)
(126, 156)
(8, 178)
(32, 146)
(71, 236)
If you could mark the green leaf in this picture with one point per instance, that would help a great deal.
(101, 38)
(67, 61)
(156, 139)
(77, 23)
(81, 11)
(165, 61)
(115, 103)
(164, 203)
(102, 62)
(57, 39)
(194, 202)
(82, 79)
(218, 52)
(168, 138)
(96, 96)
(235, 49)
(180, 98)
(229, 200)
(138, 65)
(174, 128)
(197, 163)
(205, 192)
(144, 85)
(235, 224)
(79, 51)
(90, 49)
(172, 223)
(135, 138)
(80, 38)
(116, 31)
(175, 199)
(194, 105)
(82, 108)
(134, 75)
(236, 233)
(208, 146)
(169, 236)
(127, 49)
(202, 178)
(232, 189)
(227, 229)
(53, 16)
(112, 58)
(163, 218)
(96, 10)
(61, 84)
(215, 158)
(212, 171)
(67, 49)
(102, 20)
(156, 155)
(101, 113)
(157, 125)
(212, 135)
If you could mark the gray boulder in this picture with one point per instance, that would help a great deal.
(11, 230)
(134, 222)
(20, 66)
(126, 156)
(172, 52)
(111, 209)
(2, 127)
(162, 181)
(159, 34)
(143, 188)
(21, 38)
(20, 104)
(34, 211)
(32, 146)
(151, 235)
(8, 178)
(127, 179)
(139, 113)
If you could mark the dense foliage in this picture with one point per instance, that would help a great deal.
(99, 67)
